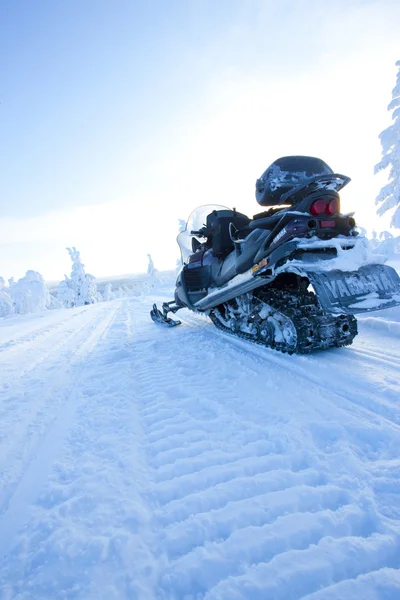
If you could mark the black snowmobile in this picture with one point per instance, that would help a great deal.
(290, 278)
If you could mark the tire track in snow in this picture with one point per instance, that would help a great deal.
(35, 333)
(27, 409)
(315, 371)
(372, 439)
(24, 357)
(89, 530)
(234, 494)
(297, 573)
(36, 469)
(196, 469)
(384, 358)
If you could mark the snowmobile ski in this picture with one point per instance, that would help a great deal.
(161, 317)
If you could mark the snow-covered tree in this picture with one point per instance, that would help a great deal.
(30, 294)
(181, 227)
(65, 293)
(152, 278)
(6, 305)
(81, 287)
(151, 270)
(108, 293)
(389, 196)
(385, 235)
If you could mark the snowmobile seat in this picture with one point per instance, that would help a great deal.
(219, 223)
(266, 222)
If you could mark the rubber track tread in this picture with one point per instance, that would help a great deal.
(302, 309)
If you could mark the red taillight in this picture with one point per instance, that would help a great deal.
(333, 207)
(318, 207)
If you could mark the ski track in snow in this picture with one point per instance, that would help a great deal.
(140, 462)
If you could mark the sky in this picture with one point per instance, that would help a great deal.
(119, 118)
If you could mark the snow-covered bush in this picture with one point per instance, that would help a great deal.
(30, 294)
(81, 287)
(389, 196)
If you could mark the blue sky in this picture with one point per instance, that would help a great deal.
(117, 118)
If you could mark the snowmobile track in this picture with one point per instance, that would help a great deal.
(37, 459)
(185, 464)
(367, 404)
(226, 513)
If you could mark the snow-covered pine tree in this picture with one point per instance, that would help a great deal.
(181, 227)
(152, 278)
(151, 270)
(81, 288)
(6, 305)
(389, 196)
(108, 293)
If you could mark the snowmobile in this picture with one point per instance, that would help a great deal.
(290, 278)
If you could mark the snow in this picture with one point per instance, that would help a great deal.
(141, 462)
(348, 258)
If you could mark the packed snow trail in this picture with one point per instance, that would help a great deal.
(140, 462)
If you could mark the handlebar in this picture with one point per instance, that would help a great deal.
(203, 232)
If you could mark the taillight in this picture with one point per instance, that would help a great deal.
(318, 207)
(333, 207)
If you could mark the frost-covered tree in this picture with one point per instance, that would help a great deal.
(389, 196)
(385, 235)
(108, 293)
(65, 293)
(151, 270)
(30, 294)
(81, 287)
(152, 278)
(6, 305)
(181, 228)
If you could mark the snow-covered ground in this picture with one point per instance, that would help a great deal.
(140, 462)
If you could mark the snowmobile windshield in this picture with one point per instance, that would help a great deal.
(195, 222)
